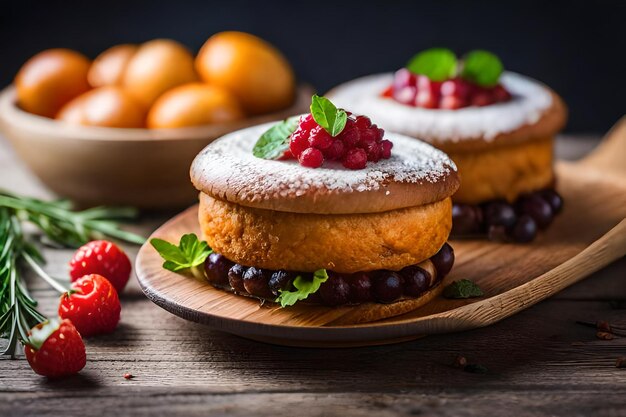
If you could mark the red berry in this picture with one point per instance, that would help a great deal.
(103, 258)
(336, 150)
(350, 134)
(405, 95)
(363, 122)
(54, 349)
(404, 78)
(380, 134)
(355, 158)
(92, 305)
(423, 83)
(457, 87)
(428, 92)
(368, 136)
(373, 151)
(426, 99)
(311, 157)
(320, 138)
(299, 141)
(286, 155)
(388, 92)
(481, 98)
(307, 122)
(500, 93)
(386, 146)
(452, 102)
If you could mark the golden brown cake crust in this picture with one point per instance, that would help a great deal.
(504, 172)
(344, 243)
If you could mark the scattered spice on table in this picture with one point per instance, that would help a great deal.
(605, 336)
(460, 362)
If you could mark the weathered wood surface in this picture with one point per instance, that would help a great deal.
(540, 361)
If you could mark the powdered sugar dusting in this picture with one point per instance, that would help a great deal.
(229, 160)
(530, 100)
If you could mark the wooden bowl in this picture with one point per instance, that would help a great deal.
(144, 168)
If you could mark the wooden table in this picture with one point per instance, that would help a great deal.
(539, 362)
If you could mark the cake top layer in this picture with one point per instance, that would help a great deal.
(416, 174)
(530, 102)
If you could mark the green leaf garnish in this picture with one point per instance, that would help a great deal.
(327, 115)
(463, 288)
(438, 64)
(275, 141)
(189, 253)
(304, 288)
(482, 68)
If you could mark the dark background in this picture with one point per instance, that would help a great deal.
(578, 48)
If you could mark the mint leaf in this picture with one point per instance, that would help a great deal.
(327, 115)
(275, 141)
(438, 64)
(462, 289)
(482, 68)
(189, 253)
(304, 288)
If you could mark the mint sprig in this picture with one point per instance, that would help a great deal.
(327, 115)
(275, 141)
(438, 64)
(190, 253)
(304, 288)
(482, 67)
(463, 288)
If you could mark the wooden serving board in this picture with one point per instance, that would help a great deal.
(587, 235)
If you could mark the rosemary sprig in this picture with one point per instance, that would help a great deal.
(61, 225)
(18, 309)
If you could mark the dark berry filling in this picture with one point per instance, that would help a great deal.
(420, 91)
(381, 286)
(359, 142)
(503, 222)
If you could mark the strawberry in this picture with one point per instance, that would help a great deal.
(92, 305)
(103, 258)
(54, 348)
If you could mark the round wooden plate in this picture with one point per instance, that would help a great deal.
(587, 235)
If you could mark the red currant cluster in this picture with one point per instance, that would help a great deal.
(418, 90)
(359, 142)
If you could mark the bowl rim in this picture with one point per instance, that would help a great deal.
(12, 116)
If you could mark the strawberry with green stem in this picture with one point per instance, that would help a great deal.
(54, 349)
(61, 225)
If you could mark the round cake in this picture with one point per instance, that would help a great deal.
(378, 232)
(500, 137)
